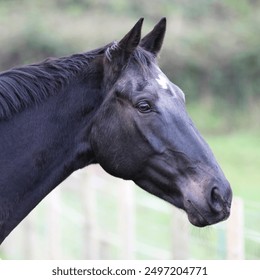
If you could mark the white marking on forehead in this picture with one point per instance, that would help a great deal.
(162, 81)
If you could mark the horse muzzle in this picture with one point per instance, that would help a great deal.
(214, 209)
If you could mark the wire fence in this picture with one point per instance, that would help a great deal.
(93, 215)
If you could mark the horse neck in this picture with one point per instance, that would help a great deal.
(43, 145)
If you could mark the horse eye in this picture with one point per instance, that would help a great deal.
(143, 107)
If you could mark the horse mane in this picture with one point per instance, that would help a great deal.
(23, 86)
(20, 87)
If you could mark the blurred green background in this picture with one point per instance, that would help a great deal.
(211, 51)
(211, 48)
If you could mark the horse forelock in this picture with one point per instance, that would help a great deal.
(143, 58)
(139, 55)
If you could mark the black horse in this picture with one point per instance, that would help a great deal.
(111, 106)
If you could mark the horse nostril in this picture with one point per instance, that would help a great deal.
(216, 200)
(214, 194)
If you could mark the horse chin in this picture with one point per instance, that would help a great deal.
(194, 216)
(198, 216)
(203, 217)
(197, 220)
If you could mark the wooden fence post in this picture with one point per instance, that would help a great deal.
(54, 226)
(235, 231)
(180, 236)
(127, 220)
(91, 233)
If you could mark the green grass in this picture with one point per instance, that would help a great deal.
(234, 138)
(239, 156)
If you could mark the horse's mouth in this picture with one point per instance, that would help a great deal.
(205, 211)
(200, 218)
(195, 216)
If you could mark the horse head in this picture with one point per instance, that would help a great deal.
(142, 132)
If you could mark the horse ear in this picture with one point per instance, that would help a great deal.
(132, 38)
(124, 48)
(153, 41)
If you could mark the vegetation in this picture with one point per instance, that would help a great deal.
(211, 50)
(239, 156)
